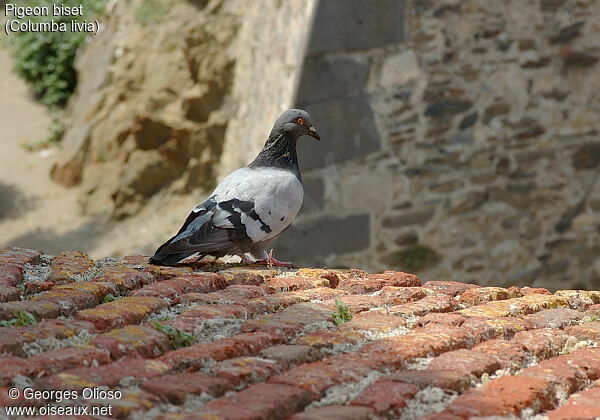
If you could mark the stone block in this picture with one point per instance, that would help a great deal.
(588, 331)
(452, 288)
(329, 339)
(581, 405)
(327, 77)
(109, 374)
(342, 25)
(346, 126)
(366, 191)
(374, 321)
(260, 401)
(289, 355)
(375, 282)
(314, 195)
(554, 318)
(9, 293)
(325, 236)
(510, 355)
(132, 341)
(587, 156)
(287, 284)
(447, 108)
(69, 267)
(121, 312)
(399, 69)
(170, 289)
(468, 362)
(177, 387)
(68, 358)
(386, 396)
(566, 377)
(502, 397)
(334, 412)
(446, 379)
(543, 342)
(411, 217)
(198, 355)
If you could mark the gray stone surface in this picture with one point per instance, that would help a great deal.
(399, 69)
(314, 195)
(445, 108)
(476, 136)
(411, 217)
(484, 140)
(587, 156)
(326, 236)
(356, 24)
(347, 130)
(325, 77)
(268, 60)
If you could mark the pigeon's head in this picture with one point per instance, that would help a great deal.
(296, 122)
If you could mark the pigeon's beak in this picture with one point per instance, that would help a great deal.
(312, 131)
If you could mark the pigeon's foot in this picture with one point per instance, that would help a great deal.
(269, 262)
(276, 263)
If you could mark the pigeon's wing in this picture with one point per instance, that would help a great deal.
(249, 206)
(198, 234)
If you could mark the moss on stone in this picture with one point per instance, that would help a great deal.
(414, 258)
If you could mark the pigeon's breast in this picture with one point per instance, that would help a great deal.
(267, 200)
(281, 202)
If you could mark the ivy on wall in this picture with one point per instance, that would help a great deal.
(47, 59)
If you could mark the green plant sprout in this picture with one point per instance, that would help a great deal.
(177, 337)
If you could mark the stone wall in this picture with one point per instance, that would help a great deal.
(460, 140)
(150, 110)
(269, 50)
(169, 85)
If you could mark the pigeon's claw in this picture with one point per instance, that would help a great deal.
(276, 263)
(269, 261)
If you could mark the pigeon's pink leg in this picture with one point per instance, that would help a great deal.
(275, 262)
(268, 261)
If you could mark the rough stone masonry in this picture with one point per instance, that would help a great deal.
(477, 152)
(463, 135)
(231, 342)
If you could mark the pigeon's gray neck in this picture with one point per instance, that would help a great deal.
(279, 152)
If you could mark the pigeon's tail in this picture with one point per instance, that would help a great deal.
(169, 259)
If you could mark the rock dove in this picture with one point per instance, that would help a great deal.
(251, 206)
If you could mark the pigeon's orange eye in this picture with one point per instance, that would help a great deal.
(300, 120)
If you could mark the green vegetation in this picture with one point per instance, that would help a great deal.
(177, 338)
(590, 318)
(23, 318)
(151, 11)
(413, 258)
(46, 59)
(341, 313)
(57, 130)
(109, 298)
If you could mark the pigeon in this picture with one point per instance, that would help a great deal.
(251, 206)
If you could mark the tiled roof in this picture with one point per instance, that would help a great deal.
(230, 342)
